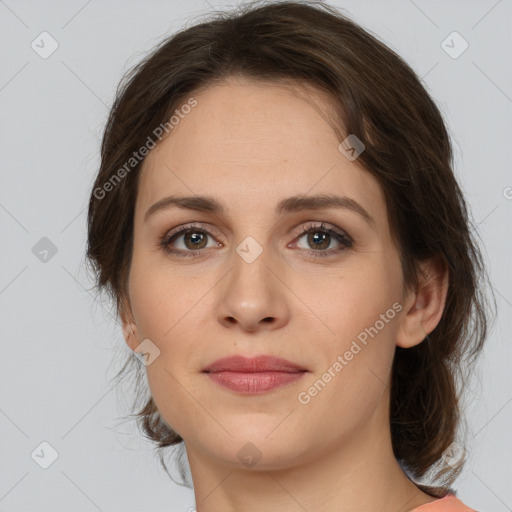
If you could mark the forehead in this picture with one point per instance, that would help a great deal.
(249, 143)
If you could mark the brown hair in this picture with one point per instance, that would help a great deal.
(376, 96)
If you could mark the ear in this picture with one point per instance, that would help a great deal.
(424, 306)
(128, 323)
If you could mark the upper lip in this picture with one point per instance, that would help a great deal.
(262, 363)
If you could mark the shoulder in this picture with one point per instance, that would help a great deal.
(450, 503)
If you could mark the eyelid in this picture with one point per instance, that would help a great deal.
(200, 226)
(342, 236)
(322, 226)
(304, 227)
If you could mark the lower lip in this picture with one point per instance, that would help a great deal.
(255, 382)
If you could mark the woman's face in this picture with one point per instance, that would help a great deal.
(247, 281)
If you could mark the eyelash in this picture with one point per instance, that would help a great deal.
(167, 238)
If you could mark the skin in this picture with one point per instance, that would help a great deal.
(250, 144)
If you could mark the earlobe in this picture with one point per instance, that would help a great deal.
(424, 307)
(129, 330)
(129, 327)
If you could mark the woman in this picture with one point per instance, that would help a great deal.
(277, 219)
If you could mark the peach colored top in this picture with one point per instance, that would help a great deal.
(447, 504)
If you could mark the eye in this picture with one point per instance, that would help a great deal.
(321, 238)
(193, 237)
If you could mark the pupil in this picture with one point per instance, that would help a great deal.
(319, 237)
(195, 238)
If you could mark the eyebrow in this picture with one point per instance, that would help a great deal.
(288, 205)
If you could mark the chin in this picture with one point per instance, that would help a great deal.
(256, 448)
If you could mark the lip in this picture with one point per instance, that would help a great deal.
(255, 364)
(254, 375)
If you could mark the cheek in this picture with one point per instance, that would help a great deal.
(361, 308)
(357, 359)
(160, 296)
(164, 310)
(355, 300)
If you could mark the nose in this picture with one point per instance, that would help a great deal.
(254, 295)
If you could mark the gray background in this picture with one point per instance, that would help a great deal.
(59, 342)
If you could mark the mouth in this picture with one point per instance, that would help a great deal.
(254, 375)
